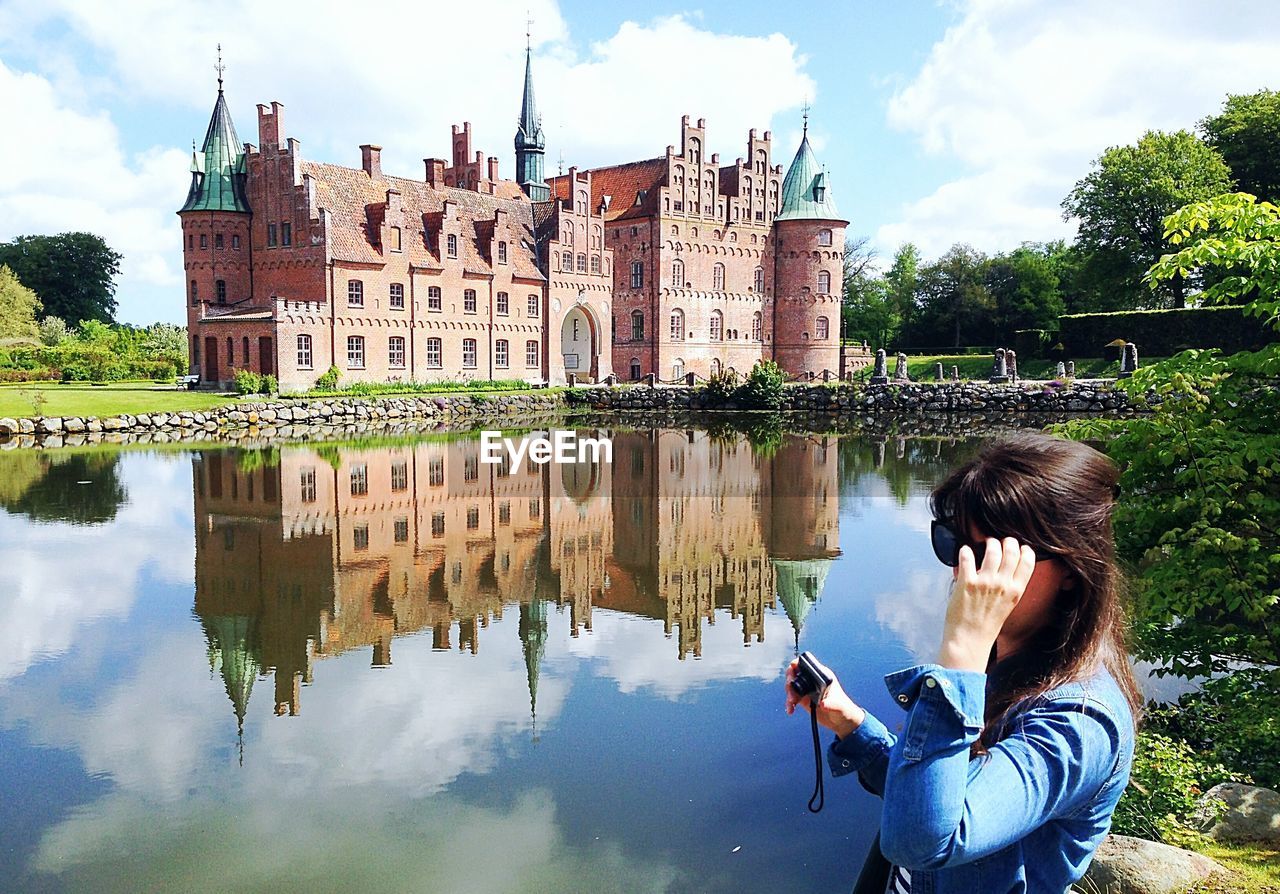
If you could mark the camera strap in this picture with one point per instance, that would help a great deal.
(819, 794)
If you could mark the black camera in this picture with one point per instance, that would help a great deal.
(811, 678)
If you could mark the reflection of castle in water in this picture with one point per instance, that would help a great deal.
(331, 550)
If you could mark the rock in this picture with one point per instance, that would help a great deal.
(9, 427)
(27, 426)
(1124, 865)
(1252, 813)
(73, 424)
(48, 425)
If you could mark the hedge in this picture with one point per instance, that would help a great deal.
(84, 363)
(1164, 332)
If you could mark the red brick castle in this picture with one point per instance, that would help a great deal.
(671, 265)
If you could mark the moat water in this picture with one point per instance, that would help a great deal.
(393, 668)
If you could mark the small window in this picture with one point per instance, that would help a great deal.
(677, 273)
(500, 353)
(502, 252)
(359, 480)
(637, 326)
(271, 235)
(360, 537)
(195, 291)
(534, 305)
(503, 304)
(433, 298)
(395, 352)
(204, 240)
(637, 274)
(437, 524)
(244, 350)
(231, 351)
(235, 242)
(469, 301)
(471, 468)
(191, 242)
(824, 282)
(434, 353)
(217, 241)
(308, 485)
(595, 263)
(435, 472)
(677, 325)
(286, 234)
(504, 518)
(531, 353)
(759, 280)
(473, 518)
(824, 328)
(355, 351)
(677, 368)
(824, 237)
(757, 326)
(396, 297)
(635, 369)
(402, 530)
(399, 476)
(717, 277)
(717, 326)
(469, 353)
(452, 245)
(582, 263)
(566, 261)
(220, 288)
(394, 235)
(535, 505)
(355, 293)
(304, 352)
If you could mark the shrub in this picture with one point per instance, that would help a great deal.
(328, 381)
(1165, 332)
(1033, 344)
(763, 387)
(721, 386)
(30, 375)
(248, 382)
(270, 385)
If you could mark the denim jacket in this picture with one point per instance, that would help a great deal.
(1026, 816)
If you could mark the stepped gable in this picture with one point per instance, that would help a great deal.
(623, 183)
(349, 194)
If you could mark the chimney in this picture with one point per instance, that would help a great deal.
(435, 172)
(371, 161)
(493, 168)
(269, 125)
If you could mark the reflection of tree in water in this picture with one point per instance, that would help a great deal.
(908, 465)
(46, 486)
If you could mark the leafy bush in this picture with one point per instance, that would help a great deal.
(369, 389)
(1165, 332)
(721, 386)
(270, 385)
(248, 382)
(329, 380)
(763, 388)
(30, 375)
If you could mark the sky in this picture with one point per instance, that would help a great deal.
(939, 121)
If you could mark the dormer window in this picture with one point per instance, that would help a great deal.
(394, 238)
(452, 246)
(502, 252)
(818, 192)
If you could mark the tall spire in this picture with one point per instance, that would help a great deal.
(806, 194)
(218, 185)
(530, 143)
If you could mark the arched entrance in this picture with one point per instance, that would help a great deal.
(578, 344)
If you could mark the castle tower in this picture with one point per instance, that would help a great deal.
(531, 145)
(808, 259)
(216, 251)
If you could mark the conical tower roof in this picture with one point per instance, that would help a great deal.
(219, 184)
(806, 193)
(799, 585)
(233, 650)
(529, 131)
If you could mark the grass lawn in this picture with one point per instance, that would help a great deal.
(978, 366)
(1256, 868)
(82, 399)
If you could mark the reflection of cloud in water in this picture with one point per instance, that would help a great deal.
(916, 612)
(57, 578)
(373, 840)
(633, 652)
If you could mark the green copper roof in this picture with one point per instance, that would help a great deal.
(806, 194)
(233, 650)
(799, 584)
(529, 133)
(217, 175)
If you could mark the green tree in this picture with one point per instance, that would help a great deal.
(54, 331)
(1023, 285)
(1121, 205)
(952, 301)
(871, 314)
(18, 307)
(902, 279)
(861, 284)
(73, 274)
(1247, 135)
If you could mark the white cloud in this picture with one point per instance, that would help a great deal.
(1025, 95)
(398, 78)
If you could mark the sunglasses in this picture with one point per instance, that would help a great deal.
(947, 543)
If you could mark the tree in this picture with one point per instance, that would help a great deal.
(54, 331)
(902, 279)
(1121, 205)
(73, 274)
(18, 307)
(1247, 135)
(952, 301)
(1024, 288)
(864, 310)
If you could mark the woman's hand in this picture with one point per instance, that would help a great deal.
(836, 711)
(981, 600)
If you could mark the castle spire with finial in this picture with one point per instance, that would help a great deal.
(530, 143)
(218, 168)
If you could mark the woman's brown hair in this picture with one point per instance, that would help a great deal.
(1056, 495)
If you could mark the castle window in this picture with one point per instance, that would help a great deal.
(637, 274)
(437, 524)
(733, 237)
(473, 518)
(395, 239)
(195, 352)
(402, 530)
(824, 236)
(435, 470)
(504, 304)
(307, 485)
(757, 326)
(434, 353)
(595, 263)
(566, 261)
(677, 273)
(433, 298)
(824, 328)
(582, 263)
(677, 325)
(355, 293)
(717, 277)
(637, 326)
(469, 301)
(235, 242)
(395, 298)
(204, 240)
(395, 352)
(635, 231)
(355, 351)
(759, 279)
(502, 252)
(191, 242)
(531, 353)
(231, 351)
(359, 480)
(504, 518)
(677, 369)
(244, 350)
(635, 369)
(533, 306)
(220, 289)
(452, 245)
(675, 230)
(717, 326)
(217, 241)
(271, 235)
(824, 282)
(360, 537)
(500, 357)
(715, 367)
(304, 352)
(469, 353)
(286, 234)
(471, 468)
(195, 291)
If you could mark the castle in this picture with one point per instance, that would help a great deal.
(665, 267)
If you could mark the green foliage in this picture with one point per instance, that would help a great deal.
(270, 385)
(73, 274)
(1024, 287)
(1119, 206)
(248, 382)
(260, 458)
(1247, 135)
(329, 380)
(952, 303)
(1033, 344)
(369, 389)
(721, 385)
(763, 388)
(330, 454)
(763, 432)
(1164, 332)
(54, 331)
(19, 307)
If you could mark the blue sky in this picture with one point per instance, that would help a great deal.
(940, 122)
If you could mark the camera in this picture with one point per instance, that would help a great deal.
(811, 678)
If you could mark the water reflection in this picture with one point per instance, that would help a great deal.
(79, 488)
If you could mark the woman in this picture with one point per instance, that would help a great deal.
(1017, 742)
